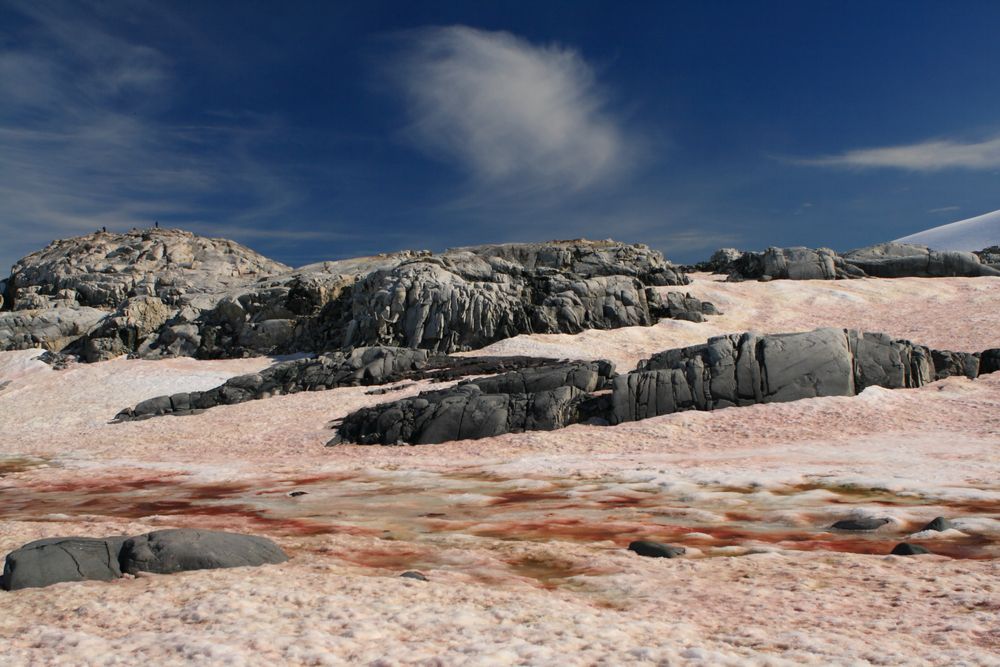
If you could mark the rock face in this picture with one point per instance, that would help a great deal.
(52, 329)
(161, 293)
(887, 260)
(727, 371)
(743, 369)
(467, 299)
(61, 559)
(541, 399)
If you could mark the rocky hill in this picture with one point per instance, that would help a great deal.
(165, 292)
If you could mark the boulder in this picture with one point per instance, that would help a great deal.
(862, 524)
(655, 549)
(743, 369)
(58, 559)
(906, 549)
(180, 550)
(939, 524)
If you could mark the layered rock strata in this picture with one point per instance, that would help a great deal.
(727, 371)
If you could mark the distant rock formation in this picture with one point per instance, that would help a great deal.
(886, 260)
(161, 292)
(727, 371)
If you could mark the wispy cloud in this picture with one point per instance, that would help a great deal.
(85, 141)
(933, 155)
(512, 113)
(944, 209)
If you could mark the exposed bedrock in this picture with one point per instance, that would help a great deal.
(734, 370)
(537, 399)
(163, 293)
(358, 367)
(62, 559)
(886, 260)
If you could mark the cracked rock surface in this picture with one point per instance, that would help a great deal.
(166, 293)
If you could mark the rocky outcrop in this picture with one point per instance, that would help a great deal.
(898, 260)
(52, 329)
(467, 299)
(169, 293)
(989, 256)
(887, 260)
(531, 400)
(358, 367)
(104, 269)
(62, 559)
(727, 371)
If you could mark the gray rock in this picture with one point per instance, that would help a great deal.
(989, 361)
(104, 269)
(180, 550)
(743, 369)
(989, 256)
(906, 549)
(886, 260)
(948, 364)
(412, 574)
(541, 399)
(864, 524)
(897, 260)
(656, 549)
(217, 299)
(59, 559)
(939, 524)
(52, 329)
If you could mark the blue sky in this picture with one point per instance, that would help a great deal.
(320, 130)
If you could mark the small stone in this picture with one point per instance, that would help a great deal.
(860, 524)
(413, 574)
(655, 549)
(906, 549)
(296, 494)
(939, 524)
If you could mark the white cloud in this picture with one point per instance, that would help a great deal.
(512, 113)
(934, 155)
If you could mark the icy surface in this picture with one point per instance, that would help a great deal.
(971, 234)
(522, 537)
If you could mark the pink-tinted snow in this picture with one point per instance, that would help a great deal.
(522, 535)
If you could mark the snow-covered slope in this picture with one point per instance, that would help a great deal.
(968, 235)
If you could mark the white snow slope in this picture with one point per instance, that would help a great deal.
(971, 234)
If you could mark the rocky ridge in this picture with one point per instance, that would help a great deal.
(886, 260)
(727, 371)
(161, 293)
